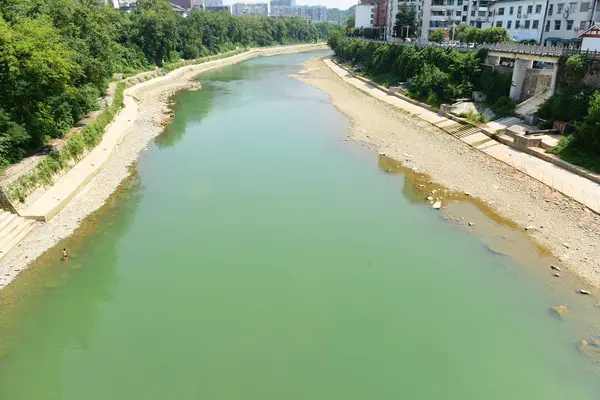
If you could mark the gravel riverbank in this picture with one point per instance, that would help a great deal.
(152, 99)
(569, 230)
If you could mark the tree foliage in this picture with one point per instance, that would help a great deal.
(436, 74)
(469, 34)
(57, 56)
(406, 19)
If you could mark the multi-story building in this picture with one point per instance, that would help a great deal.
(317, 13)
(523, 19)
(286, 3)
(393, 6)
(380, 13)
(363, 16)
(314, 13)
(563, 20)
(250, 9)
(437, 14)
(543, 21)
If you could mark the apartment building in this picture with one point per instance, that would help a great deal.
(438, 14)
(364, 16)
(250, 9)
(550, 21)
(565, 19)
(523, 19)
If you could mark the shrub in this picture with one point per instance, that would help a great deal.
(504, 107)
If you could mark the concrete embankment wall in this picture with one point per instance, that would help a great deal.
(31, 208)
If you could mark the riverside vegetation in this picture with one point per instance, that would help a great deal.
(57, 57)
(436, 75)
(580, 105)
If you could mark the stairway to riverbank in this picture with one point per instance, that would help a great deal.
(13, 229)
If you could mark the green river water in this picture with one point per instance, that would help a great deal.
(256, 255)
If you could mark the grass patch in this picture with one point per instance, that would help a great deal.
(570, 150)
(474, 117)
(59, 160)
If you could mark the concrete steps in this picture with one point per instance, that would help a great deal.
(13, 229)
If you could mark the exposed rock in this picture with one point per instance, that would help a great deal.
(437, 205)
(583, 291)
(530, 228)
(559, 311)
(467, 194)
(429, 198)
(566, 245)
(582, 345)
(557, 275)
(595, 341)
(420, 186)
(554, 267)
(471, 224)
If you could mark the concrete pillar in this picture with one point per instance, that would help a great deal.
(554, 79)
(518, 77)
(493, 60)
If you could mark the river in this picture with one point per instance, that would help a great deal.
(256, 254)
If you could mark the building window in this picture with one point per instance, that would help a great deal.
(538, 9)
(459, 3)
(450, 2)
(569, 24)
(519, 9)
(529, 9)
(559, 8)
(501, 11)
(517, 24)
(511, 11)
(547, 28)
(472, 13)
(481, 13)
(499, 24)
(527, 23)
(550, 9)
(458, 13)
(535, 25)
(509, 25)
(472, 23)
(557, 25)
(584, 7)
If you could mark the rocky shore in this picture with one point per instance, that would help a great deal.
(570, 230)
(152, 98)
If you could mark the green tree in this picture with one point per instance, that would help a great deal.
(588, 131)
(351, 21)
(407, 19)
(437, 36)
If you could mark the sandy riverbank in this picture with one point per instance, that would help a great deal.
(151, 98)
(569, 230)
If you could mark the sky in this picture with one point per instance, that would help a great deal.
(341, 4)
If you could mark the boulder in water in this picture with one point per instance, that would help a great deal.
(582, 345)
(559, 311)
(437, 205)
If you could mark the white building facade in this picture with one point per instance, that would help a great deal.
(549, 21)
(363, 16)
(522, 19)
